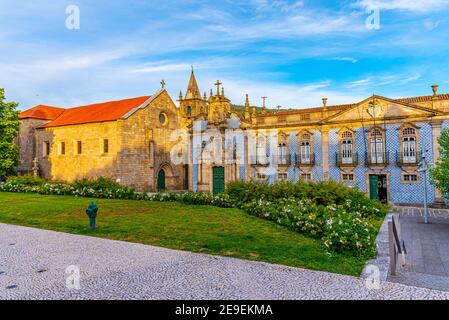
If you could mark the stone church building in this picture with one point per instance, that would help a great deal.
(150, 143)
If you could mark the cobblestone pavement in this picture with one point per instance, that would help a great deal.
(33, 265)
(427, 259)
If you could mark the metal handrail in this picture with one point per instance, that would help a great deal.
(396, 244)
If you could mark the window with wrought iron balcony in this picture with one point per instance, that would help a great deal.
(347, 158)
(377, 158)
(261, 158)
(408, 157)
(284, 159)
(305, 159)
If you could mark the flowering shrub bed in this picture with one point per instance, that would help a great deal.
(104, 188)
(341, 228)
(342, 217)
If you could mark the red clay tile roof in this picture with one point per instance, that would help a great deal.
(423, 98)
(309, 110)
(347, 106)
(42, 112)
(99, 112)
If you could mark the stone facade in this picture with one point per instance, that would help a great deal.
(376, 144)
(26, 140)
(129, 150)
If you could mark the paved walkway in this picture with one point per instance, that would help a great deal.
(419, 212)
(427, 259)
(33, 263)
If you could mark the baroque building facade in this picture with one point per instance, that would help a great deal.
(149, 143)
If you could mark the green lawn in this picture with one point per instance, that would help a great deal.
(206, 229)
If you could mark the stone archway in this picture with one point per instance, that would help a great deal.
(165, 178)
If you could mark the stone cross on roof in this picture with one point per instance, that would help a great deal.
(218, 84)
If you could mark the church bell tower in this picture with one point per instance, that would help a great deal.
(192, 105)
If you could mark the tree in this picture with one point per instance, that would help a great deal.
(440, 174)
(9, 128)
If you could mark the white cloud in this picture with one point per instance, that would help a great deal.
(403, 5)
(286, 95)
(353, 60)
(383, 80)
(161, 68)
(359, 83)
(430, 25)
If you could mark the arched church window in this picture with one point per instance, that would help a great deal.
(163, 118)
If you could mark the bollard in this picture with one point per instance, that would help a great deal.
(91, 212)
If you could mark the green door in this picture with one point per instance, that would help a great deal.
(218, 184)
(374, 187)
(161, 181)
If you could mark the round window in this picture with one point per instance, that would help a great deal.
(163, 118)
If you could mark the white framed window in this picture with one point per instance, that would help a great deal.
(282, 152)
(409, 145)
(410, 178)
(306, 176)
(261, 148)
(347, 177)
(283, 157)
(261, 176)
(282, 176)
(346, 145)
(305, 152)
(377, 146)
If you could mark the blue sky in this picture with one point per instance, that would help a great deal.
(294, 52)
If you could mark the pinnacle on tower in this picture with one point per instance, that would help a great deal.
(193, 92)
(247, 112)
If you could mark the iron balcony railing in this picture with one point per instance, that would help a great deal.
(343, 160)
(408, 158)
(260, 160)
(377, 158)
(305, 161)
(263, 160)
(284, 160)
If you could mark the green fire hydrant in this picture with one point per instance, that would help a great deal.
(91, 212)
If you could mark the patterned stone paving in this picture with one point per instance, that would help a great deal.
(419, 212)
(427, 259)
(33, 265)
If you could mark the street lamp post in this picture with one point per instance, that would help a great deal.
(423, 169)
